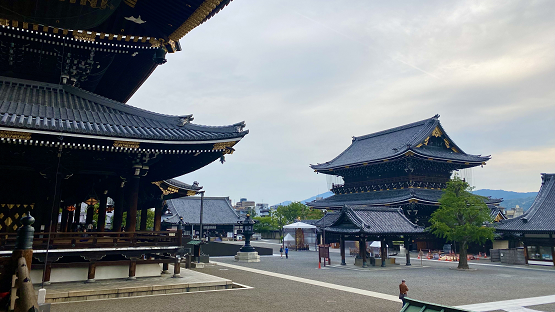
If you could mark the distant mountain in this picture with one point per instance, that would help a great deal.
(323, 195)
(510, 199)
(504, 194)
(523, 203)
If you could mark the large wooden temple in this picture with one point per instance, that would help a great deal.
(67, 136)
(406, 167)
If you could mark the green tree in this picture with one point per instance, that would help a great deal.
(264, 224)
(461, 218)
(149, 220)
(284, 215)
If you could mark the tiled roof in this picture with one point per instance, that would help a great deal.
(396, 142)
(540, 217)
(35, 105)
(495, 211)
(377, 198)
(181, 185)
(373, 221)
(328, 219)
(216, 211)
(383, 197)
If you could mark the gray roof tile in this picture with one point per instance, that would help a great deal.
(394, 143)
(385, 197)
(217, 210)
(373, 221)
(540, 217)
(43, 106)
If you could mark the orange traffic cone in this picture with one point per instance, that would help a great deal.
(319, 265)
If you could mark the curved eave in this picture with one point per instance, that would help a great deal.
(405, 154)
(126, 139)
(525, 231)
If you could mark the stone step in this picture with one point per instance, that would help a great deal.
(133, 291)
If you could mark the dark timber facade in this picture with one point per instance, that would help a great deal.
(67, 136)
(404, 167)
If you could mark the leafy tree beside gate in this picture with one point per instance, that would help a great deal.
(461, 217)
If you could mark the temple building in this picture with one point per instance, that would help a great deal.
(406, 167)
(219, 218)
(67, 135)
(536, 227)
(362, 224)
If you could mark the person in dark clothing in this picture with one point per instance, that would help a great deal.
(286, 252)
(403, 290)
(281, 251)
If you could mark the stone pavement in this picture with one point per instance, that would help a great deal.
(190, 281)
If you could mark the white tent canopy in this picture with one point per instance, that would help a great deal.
(289, 238)
(299, 225)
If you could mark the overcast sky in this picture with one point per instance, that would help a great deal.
(306, 76)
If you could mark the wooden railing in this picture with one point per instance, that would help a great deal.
(80, 240)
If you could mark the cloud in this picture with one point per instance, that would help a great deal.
(307, 76)
(517, 170)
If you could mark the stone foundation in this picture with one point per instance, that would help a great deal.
(247, 257)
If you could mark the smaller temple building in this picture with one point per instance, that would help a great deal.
(363, 223)
(536, 227)
(219, 219)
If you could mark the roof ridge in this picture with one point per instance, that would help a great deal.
(396, 129)
(548, 186)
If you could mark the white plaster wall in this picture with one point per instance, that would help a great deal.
(58, 275)
(61, 275)
(500, 244)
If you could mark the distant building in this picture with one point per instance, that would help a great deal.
(243, 206)
(219, 218)
(514, 212)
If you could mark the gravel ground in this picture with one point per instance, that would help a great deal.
(434, 282)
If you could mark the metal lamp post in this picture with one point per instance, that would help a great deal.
(248, 231)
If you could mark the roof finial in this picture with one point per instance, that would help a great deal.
(436, 116)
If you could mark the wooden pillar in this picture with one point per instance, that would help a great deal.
(383, 251)
(70, 221)
(54, 202)
(47, 272)
(363, 249)
(90, 214)
(144, 216)
(63, 224)
(101, 225)
(77, 216)
(118, 209)
(342, 246)
(158, 215)
(133, 203)
(41, 205)
(525, 252)
(407, 250)
(132, 269)
(165, 268)
(92, 272)
(552, 248)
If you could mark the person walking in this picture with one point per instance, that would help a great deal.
(286, 252)
(403, 290)
(281, 251)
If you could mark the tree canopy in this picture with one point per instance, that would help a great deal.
(284, 215)
(461, 217)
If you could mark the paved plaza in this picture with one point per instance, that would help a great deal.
(296, 284)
